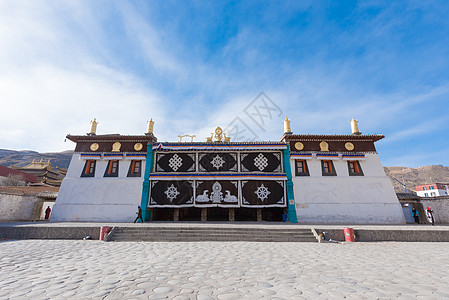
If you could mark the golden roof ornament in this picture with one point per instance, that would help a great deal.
(150, 125)
(218, 134)
(93, 127)
(287, 129)
(355, 127)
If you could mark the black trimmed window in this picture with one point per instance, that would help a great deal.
(135, 168)
(354, 168)
(301, 168)
(89, 168)
(111, 169)
(327, 168)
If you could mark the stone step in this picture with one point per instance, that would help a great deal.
(211, 236)
(192, 234)
(213, 230)
(215, 238)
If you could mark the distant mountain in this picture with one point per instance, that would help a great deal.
(23, 158)
(416, 176)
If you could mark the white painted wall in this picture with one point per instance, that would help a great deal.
(440, 208)
(98, 199)
(438, 193)
(17, 207)
(344, 199)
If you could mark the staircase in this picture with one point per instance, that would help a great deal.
(199, 234)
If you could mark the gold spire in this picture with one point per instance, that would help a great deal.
(355, 127)
(287, 129)
(150, 125)
(93, 127)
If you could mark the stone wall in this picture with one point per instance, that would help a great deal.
(19, 206)
(48, 232)
(439, 206)
(16, 207)
(390, 235)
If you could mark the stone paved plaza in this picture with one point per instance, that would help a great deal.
(55, 269)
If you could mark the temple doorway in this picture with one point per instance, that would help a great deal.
(190, 214)
(217, 214)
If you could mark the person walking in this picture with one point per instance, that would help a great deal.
(415, 215)
(139, 214)
(47, 213)
(429, 215)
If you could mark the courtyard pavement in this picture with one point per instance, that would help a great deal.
(56, 269)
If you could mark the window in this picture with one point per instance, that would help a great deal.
(433, 194)
(431, 188)
(134, 168)
(301, 168)
(112, 169)
(327, 168)
(89, 169)
(354, 168)
(426, 195)
(424, 188)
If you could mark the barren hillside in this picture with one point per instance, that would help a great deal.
(416, 176)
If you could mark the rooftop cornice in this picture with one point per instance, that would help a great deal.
(110, 137)
(332, 137)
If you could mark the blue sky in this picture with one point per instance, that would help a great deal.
(195, 65)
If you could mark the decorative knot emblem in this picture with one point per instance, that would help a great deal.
(261, 162)
(175, 162)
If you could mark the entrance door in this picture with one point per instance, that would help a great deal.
(217, 214)
(190, 214)
(246, 214)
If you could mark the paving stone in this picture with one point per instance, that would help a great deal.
(229, 296)
(138, 292)
(162, 290)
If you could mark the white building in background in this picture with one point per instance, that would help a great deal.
(432, 189)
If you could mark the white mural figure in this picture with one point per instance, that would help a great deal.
(217, 162)
(262, 192)
(216, 195)
(204, 197)
(171, 192)
(230, 198)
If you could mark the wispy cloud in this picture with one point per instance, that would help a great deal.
(195, 66)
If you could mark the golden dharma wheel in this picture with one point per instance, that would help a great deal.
(138, 146)
(349, 146)
(94, 147)
(299, 146)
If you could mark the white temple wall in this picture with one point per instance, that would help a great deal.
(113, 199)
(344, 199)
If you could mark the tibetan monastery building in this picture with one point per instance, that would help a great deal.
(320, 179)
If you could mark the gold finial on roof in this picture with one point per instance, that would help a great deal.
(355, 127)
(287, 129)
(218, 134)
(93, 127)
(150, 125)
